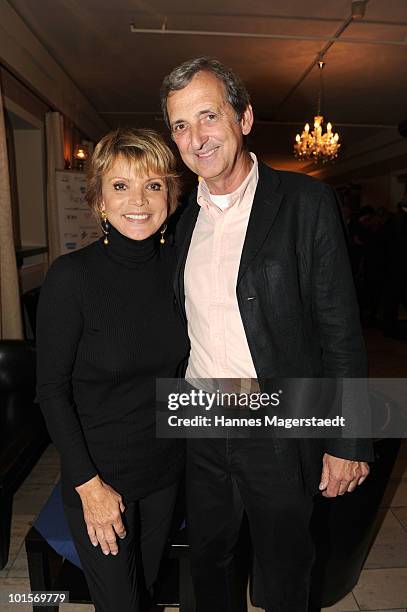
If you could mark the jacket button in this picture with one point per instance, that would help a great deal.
(252, 297)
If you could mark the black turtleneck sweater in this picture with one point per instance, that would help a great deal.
(107, 327)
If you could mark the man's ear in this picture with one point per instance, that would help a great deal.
(246, 122)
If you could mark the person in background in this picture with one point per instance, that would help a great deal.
(267, 291)
(395, 262)
(107, 328)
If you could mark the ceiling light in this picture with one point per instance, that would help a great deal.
(315, 144)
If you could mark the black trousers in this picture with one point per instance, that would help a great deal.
(262, 478)
(122, 582)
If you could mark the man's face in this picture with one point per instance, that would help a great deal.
(207, 132)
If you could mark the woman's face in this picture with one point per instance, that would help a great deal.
(135, 205)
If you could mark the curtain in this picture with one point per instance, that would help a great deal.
(54, 127)
(10, 305)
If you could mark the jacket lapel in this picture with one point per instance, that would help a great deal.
(265, 206)
(187, 225)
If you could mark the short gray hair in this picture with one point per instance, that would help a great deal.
(236, 92)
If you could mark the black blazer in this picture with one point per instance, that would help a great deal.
(295, 289)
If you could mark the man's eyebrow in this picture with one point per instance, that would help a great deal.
(206, 110)
(201, 112)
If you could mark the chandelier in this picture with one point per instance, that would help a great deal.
(315, 144)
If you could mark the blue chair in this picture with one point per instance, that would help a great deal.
(54, 565)
(56, 532)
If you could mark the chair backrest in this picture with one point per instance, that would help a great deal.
(17, 382)
(23, 435)
(29, 302)
(17, 365)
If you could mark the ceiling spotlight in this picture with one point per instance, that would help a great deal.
(358, 9)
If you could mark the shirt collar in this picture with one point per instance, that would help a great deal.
(236, 197)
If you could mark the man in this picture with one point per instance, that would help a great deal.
(265, 279)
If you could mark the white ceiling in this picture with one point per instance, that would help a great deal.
(120, 72)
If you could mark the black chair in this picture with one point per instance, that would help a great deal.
(29, 304)
(344, 529)
(23, 433)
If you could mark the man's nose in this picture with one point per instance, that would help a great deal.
(198, 137)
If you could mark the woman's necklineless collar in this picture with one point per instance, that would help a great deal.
(129, 252)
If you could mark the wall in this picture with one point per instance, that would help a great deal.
(31, 188)
(32, 84)
(28, 134)
(384, 190)
(376, 191)
(372, 163)
(24, 56)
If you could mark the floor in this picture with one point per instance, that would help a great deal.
(383, 582)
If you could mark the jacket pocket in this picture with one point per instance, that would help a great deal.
(282, 290)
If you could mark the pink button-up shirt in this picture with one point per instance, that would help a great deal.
(219, 346)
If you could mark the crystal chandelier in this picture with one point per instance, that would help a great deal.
(315, 144)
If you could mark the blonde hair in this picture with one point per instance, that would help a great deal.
(145, 149)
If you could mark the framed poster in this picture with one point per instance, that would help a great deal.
(77, 224)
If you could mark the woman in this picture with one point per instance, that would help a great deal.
(107, 328)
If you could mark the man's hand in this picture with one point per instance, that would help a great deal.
(102, 508)
(341, 475)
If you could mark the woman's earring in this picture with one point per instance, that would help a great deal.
(162, 232)
(105, 225)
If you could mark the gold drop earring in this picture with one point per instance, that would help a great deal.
(162, 232)
(105, 225)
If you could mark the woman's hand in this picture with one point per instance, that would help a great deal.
(102, 508)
